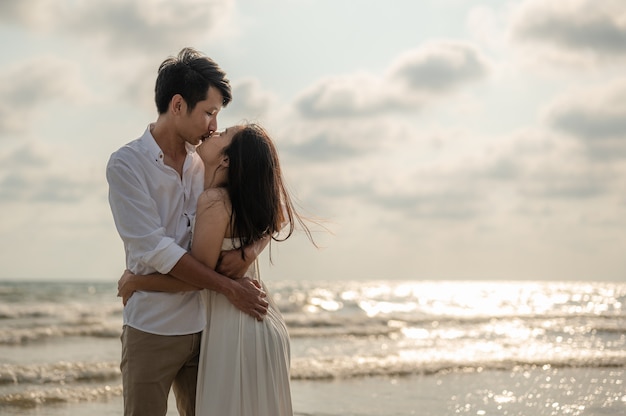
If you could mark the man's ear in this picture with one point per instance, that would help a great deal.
(177, 104)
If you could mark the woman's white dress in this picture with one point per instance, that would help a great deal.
(244, 363)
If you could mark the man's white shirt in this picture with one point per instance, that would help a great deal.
(154, 210)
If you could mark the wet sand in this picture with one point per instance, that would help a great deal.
(533, 391)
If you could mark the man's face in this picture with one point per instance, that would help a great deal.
(202, 121)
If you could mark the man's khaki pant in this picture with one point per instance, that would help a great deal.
(151, 365)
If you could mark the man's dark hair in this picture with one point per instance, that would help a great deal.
(189, 74)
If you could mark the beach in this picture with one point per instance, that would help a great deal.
(358, 348)
(566, 391)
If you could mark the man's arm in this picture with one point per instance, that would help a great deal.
(244, 294)
(137, 217)
(129, 283)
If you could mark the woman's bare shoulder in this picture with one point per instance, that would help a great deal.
(214, 199)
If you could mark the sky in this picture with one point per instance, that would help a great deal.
(432, 139)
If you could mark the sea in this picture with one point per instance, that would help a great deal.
(359, 348)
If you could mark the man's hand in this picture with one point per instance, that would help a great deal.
(249, 297)
(124, 286)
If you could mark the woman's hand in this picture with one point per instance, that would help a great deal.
(230, 264)
(125, 288)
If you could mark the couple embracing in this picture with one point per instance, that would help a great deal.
(194, 208)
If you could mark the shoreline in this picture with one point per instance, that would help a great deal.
(539, 391)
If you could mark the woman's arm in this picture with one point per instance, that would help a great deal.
(212, 221)
(232, 265)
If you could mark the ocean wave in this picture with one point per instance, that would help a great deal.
(19, 336)
(341, 332)
(60, 373)
(325, 368)
(37, 396)
(314, 368)
(66, 309)
(320, 326)
(316, 326)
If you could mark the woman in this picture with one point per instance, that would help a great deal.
(244, 363)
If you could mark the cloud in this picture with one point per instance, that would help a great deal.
(413, 79)
(541, 166)
(56, 189)
(324, 148)
(35, 14)
(109, 37)
(584, 30)
(29, 85)
(355, 95)
(28, 174)
(250, 100)
(137, 27)
(40, 79)
(596, 116)
(24, 157)
(438, 67)
(449, 204)
(331, 140)
(520, 178)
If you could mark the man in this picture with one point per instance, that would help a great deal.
(154, 183)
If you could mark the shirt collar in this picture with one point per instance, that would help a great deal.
(153, 148)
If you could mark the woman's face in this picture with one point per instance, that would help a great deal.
(211, 150)
(202, 121)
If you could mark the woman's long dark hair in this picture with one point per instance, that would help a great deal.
(261, 205)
